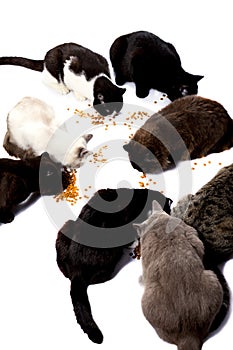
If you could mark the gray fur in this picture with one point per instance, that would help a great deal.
(181, 298)
(210, 212)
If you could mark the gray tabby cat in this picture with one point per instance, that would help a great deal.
(181, 298)
(210, 212)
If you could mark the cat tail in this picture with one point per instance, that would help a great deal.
(190, 343)
(37, 65)
(82, 309)
(224, 309)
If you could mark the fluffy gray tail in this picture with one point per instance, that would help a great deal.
(37, 65)
(82, 310)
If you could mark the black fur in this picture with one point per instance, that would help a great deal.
(84, 265)
(20, 178)
(151, 63)
(83, 60)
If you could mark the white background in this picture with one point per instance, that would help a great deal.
(35, 306)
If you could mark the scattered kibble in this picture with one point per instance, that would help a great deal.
(71, 193)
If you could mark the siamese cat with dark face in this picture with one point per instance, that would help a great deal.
(31, 124)
(72, 67)
(181, 298)
(190, 127)
(151, 63)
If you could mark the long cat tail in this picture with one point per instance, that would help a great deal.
(224, 309)
(37, 65)
(189, 343)
(82, 310)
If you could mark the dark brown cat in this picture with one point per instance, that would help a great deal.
(188, 128)
(20, 178)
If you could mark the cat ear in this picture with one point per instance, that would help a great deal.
(156, 206)
(87, 137)
(198, 77)
(83, 152)
(126, 147)
(49, 171)
(137, 227)
(45, 155)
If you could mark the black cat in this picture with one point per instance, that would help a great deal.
(151, 63)
(72, 67)
(95, 247)
(20, 178)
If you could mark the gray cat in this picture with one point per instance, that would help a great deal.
(181, 298)
(210, 212)
(188, 128)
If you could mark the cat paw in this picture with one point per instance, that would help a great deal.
(63, 89)
(120, 81)
(80, 97)
(6, 218)
(96, 336)
(142, 93)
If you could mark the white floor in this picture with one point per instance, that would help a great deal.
(35, 307)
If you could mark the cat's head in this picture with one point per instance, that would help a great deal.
(145, 226)
(143, 159)
(51, 181)
(108, 98)
(78, 152)
(185, 85)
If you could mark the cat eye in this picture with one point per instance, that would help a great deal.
(100, 97)
(49, 173)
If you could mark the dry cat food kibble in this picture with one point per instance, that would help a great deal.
(98, 157)
(71, 193)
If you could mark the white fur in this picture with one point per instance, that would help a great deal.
(32, 124)
(51, 82)
(77, 83)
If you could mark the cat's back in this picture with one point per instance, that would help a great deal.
(166, 242)
(201, 117)
(212, 202)
(82, 59)
(148, 41)
(176, 283)
(29, 110)
(195, 106)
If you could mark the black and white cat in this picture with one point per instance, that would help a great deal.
(72, 67)
(151, 63)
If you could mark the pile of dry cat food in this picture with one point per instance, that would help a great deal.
(71, 192)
